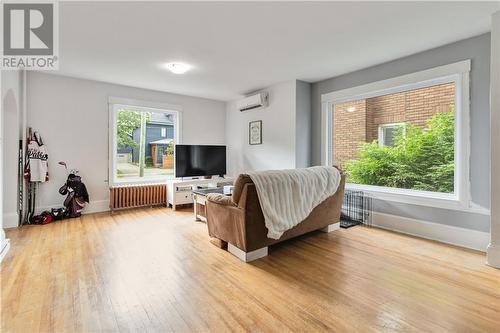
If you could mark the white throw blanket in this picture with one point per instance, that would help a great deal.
(287, 197)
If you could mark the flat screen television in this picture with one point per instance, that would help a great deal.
(199, 160)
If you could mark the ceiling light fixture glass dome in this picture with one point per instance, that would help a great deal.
(178, 67)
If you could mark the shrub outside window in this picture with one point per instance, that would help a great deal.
(401, 140)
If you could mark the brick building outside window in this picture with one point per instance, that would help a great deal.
(378, 118)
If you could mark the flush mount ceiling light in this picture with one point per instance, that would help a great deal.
(178, 67)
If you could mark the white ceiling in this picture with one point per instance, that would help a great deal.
(239, 47)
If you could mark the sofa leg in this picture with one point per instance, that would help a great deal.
(331, 227)
(218, 242)
(247, 256)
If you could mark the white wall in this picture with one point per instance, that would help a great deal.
(11, 113)
(494, 246)
(277, 150)
(285, 123)
(72, 117)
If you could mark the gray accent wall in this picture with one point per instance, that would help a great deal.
(478, 50)
(303, 124)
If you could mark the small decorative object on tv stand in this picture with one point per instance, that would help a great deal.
(356, 209)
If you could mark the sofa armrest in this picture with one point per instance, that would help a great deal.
(226, 221)
(221, 199)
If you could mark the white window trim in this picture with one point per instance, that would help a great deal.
(381, 127)
(114, 103)
(456, 72)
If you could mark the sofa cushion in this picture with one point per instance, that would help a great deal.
(239, 184)
(220, 199)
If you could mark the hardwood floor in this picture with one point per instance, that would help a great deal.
(154, 270)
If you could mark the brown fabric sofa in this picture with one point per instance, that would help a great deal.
(239, 222)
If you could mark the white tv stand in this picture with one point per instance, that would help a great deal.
(179, 190)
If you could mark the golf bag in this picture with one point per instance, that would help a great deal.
(76, 195)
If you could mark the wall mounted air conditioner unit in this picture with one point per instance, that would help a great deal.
(253, 102)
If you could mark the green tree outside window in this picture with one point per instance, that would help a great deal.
(421, 159)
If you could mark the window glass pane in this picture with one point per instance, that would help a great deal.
(401, 140)
(389, 136)
(145, 142)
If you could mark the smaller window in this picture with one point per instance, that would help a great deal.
(387, 134)
(138, 145)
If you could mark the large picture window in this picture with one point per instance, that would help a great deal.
(403, 137)
(401, 140)
(143, 142)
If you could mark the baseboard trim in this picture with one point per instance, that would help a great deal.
(5, 249)
(468, 238)
(493, 255)
(96, 206)
(10, 220)
(331, 227)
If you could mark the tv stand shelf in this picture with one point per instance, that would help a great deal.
(179, 190)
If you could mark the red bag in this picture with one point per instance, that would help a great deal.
(43, 218)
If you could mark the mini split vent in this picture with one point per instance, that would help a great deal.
(253, 102)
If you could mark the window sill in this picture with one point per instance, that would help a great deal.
(134, 181)
(420, 198)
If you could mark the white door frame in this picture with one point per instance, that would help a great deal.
(493, 252)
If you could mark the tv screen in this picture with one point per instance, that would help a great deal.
(199, 160)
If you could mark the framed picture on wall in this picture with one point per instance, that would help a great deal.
(255, 132)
